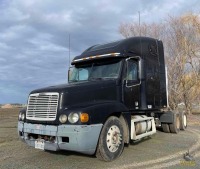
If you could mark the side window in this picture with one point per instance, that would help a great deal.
(132, 70)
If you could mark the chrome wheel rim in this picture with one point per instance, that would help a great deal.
(184, 120)
(113, 138)
(177, 123)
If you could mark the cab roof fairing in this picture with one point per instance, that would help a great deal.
(134, 45)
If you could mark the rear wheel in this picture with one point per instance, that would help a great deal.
(165, 127)
(175, 126)
(111, 141)
(183, 121)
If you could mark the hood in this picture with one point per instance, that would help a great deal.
(85, 93)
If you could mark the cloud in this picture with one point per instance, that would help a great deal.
(34, 36)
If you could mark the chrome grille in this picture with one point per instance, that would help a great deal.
(42, 106)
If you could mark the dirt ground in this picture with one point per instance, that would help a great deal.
(161, 150)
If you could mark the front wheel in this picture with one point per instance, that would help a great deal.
(111, 140)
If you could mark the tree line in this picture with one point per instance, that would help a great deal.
(181, 39)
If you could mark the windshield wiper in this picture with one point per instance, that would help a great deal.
(100, 78)
(95, 78)
(73, 81)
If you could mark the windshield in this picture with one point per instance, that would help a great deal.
(95, 71)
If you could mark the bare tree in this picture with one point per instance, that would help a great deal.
(184, 46)
(134, 29)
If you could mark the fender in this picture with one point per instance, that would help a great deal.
(167, 117)
(101, 112)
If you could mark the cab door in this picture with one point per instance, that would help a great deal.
(132, 84)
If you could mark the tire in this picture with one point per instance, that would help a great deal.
(175, 126)
(165, 127)
(183, 121)
(111, 140)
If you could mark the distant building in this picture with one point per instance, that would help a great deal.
(12, 105)
(7, 106)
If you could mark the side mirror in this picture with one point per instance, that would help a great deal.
(69, 73)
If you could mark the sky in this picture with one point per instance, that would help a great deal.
(34, 36)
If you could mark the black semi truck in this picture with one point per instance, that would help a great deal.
(117, 93)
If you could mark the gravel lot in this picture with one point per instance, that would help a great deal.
(161, 150)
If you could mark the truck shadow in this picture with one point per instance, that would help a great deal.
(144, 139)
(140, 140)
(69, 153)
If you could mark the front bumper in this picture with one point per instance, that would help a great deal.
(80, 138)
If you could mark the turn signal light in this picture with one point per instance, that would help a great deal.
(84, 117)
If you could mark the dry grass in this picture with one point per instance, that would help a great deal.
(9, 112)
(196, 112)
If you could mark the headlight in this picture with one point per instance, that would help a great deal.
(63, 118)
(20, 116)
(73, 117)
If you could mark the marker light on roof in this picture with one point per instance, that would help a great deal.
(97, 56)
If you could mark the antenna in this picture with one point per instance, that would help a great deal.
(139, 24)
(140, 34)
(69, 50)
(69, 59)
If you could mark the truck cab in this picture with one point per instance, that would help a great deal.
(116, 92)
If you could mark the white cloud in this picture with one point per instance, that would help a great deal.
(4, 46)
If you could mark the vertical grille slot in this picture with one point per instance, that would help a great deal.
(42, 106)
